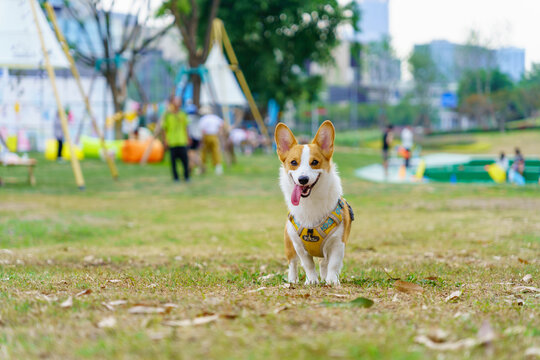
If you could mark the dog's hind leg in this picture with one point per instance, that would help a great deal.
(292, 258)
(323, 268)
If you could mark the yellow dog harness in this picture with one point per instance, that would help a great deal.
(313, 239)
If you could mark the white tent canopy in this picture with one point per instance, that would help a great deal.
(221, 88)
(20, 47)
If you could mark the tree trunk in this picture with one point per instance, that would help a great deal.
(118, 102)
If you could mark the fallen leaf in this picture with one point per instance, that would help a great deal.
(117, 302)
(338, 295)
(533, 351)
(358, 302)
(266, 277)
(438, 335)
(191, 322)
(454, 296)
(525, 289)
(446, 346)
(259, 289)
(107, 323)
(523, 261)
(527, 278)
(287, 286)
(228, 316)
(114, 281)
(142, 309)
(432, 278)
(109, 307)
(67, 303)
(111, 304)
(515, 330)
(151, 286)
(84, 292)
(280, 309)
(387, 272)
(486, 334)
(407, 287)
(47, 298)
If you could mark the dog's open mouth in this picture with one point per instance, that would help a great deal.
(301, 191)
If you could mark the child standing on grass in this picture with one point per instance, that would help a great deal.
(175, 125)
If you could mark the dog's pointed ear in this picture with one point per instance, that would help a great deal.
(325, 138)
(285, 140)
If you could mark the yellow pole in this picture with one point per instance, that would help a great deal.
(222, 33)
(75, 72)
(74, 161)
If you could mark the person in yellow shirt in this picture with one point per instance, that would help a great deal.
(175, 125)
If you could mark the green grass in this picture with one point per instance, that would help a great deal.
(205, 246)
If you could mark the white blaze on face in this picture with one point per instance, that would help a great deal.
(305, 169)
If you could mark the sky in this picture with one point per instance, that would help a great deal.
(499, 22)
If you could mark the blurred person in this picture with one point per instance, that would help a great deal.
(388, 137)
(211, 125)
(195, 134)
(503, 161)
(59, 135)
(407, 141)
(517, 170)
(175, 125)
(238, 137)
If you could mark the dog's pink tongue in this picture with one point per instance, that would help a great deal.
(295, 196)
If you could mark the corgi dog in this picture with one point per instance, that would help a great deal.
(319, 220)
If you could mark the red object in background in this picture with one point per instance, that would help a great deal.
(322, 111)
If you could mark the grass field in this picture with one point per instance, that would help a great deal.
(212, 251)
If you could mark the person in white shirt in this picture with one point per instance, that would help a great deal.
(210, 126)
(407, 142)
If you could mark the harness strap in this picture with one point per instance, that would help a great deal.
(313, 238)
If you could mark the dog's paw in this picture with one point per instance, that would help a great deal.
(292, 280)
(332, 280)
(311, 282)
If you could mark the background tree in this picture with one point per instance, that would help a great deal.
(275, 41)
(425, 76)
(477, 92)
(112, 41)
(382, 69)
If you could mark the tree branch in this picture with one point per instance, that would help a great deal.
(211, 17)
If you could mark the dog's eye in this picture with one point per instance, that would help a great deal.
(314, 162)
(294, 163)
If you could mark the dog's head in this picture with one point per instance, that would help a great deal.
(305, 164)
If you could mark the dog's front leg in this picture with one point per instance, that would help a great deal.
(336, 252)
(309, 266)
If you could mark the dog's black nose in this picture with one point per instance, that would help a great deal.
(303, 180)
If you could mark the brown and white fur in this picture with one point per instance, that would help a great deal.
(310, 167)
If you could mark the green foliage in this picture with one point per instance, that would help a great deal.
(483, 81)
(423, 68)
(275, 41)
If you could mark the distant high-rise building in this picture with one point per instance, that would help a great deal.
(374, 21)
(452, 60)
(511, 61)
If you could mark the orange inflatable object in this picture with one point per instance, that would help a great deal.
(404, 153)
(133, 150)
